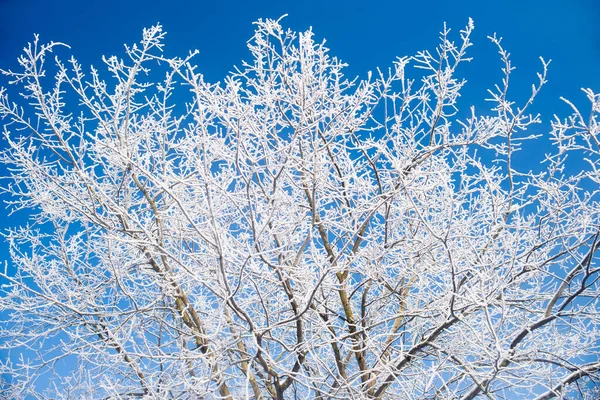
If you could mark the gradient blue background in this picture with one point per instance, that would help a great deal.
(363, 34)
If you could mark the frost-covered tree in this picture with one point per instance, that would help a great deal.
(289, 233)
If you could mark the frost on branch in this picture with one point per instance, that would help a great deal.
(293, 233)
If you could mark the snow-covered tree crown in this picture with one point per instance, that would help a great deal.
(290, 233)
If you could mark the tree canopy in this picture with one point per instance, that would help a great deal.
(293, 233)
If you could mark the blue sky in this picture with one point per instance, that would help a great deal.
(363, 34)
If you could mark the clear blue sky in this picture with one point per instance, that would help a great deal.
(363, 34)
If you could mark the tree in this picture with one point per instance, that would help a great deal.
(289, 233)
